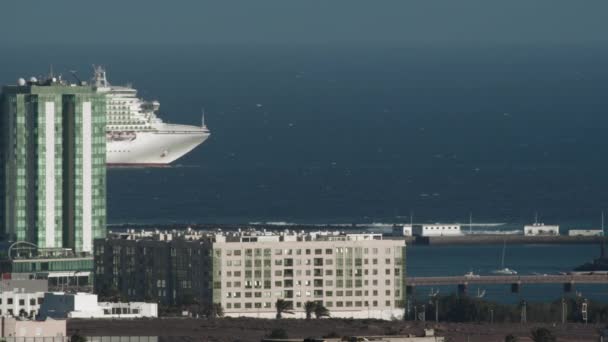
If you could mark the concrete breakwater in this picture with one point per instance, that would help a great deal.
(502, 238)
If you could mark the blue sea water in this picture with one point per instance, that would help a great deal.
(529, 259)
(361, 133)
(368, 133)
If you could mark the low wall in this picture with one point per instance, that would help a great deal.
(359, 314)
(499, 239)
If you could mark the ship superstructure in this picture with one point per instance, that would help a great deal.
(135, 135)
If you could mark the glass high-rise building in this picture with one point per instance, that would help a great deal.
(53, 176)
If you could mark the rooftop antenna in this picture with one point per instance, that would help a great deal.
(603, 240)
(203, 117)
(411, 218)
(73, 73)
(470, 222)
(536, 217)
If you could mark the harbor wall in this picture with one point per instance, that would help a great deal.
(502, 238)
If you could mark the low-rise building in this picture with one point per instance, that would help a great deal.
(16, 327)
(405, 230)
(85, 305)
(61, 267)
(540, 229)
(21, 297)
(586, 232)
(247, 272)
(436, 229)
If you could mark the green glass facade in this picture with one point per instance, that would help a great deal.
(53, 185)
(48, 265)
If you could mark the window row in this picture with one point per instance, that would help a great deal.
(312, 293)
(329, 304)
(304, 251)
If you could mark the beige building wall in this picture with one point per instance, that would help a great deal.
(353, 276)
(12, 327)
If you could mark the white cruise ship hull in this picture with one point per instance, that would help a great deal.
(158, 147)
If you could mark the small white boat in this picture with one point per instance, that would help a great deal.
(470, 275)
(504, 270)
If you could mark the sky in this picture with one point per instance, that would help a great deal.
(304, 21)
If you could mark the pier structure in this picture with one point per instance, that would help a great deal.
(568, 281)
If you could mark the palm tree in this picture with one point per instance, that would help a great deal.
(310, 307)
(218, 310)
(282, 307)
(321, 311)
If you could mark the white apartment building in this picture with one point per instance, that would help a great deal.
(246, 272)
(21, 297)
(353, 275)
(85, 305)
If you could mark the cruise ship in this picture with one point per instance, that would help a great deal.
(135, 135)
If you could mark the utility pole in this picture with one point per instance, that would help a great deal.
(491, 316)
(564, 310)
(411, 218)
(436, 310)
(603, 224)
(523, 312)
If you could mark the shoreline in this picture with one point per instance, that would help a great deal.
(467, 239)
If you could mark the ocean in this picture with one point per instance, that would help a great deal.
(367, 134)
(352, 133)
(528, 259)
